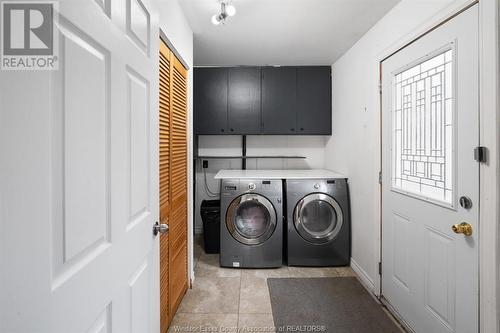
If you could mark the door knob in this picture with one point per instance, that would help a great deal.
(160, 228)
(462, 228)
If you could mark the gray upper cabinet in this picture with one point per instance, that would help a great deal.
(267, 100)
(314, 100)
(244, 100)
(279, 90)
(210, 100)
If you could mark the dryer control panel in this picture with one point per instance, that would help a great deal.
(330, 186)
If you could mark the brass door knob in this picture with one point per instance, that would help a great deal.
(462, 228)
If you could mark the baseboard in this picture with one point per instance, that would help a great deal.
(364, 278)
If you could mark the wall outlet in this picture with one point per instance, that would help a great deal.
(205, 164)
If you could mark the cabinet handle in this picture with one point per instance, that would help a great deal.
(222, 130)
(232, 129)
(301, 128)
(292, 129)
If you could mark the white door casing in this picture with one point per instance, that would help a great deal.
(429, 273)
(79, 178)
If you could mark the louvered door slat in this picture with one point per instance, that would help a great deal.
(178, 182)
(164, 179)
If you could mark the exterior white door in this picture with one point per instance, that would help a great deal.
(430, 128)
(78, 177)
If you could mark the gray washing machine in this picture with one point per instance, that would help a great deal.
(251, 233)
(319, 228)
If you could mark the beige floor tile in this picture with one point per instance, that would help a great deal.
(345, 271)
(254, 296)
(281, 272)
(308, 272)
(208, 266)
(256, 323)
(212, 295)
(202, 322)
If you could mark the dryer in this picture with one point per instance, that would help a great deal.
(318, 219)
(251, 233)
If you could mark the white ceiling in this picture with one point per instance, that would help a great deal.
(281, 32)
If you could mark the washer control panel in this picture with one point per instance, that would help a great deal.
(265, 187)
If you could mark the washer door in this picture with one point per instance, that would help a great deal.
(251, 219)
(318, 218)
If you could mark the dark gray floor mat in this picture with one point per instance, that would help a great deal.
(339, 305)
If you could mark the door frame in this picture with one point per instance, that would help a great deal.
(489, 133)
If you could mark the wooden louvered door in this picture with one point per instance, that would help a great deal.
(164, 159)
(173, 183)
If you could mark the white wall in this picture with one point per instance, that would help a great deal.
(174, 25)
(312, 147)
(354, 147)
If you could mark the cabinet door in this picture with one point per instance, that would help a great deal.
(279, 92)
(244, 100)
(210, 100)
(314, 103)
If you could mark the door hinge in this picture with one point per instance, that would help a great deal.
(379, 268)
(380, 177)
(481, 154)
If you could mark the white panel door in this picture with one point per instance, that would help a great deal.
(79, 173)
(430, 128)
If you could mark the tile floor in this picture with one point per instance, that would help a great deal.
(231, 300)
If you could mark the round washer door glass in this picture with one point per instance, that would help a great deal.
(251, 219)
(318, 218)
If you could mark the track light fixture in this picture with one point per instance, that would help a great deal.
(226, 10)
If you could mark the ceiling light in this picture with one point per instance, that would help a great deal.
(215, 20)
(230, 10)
(226, 10)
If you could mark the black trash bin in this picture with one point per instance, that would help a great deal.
(210, 215)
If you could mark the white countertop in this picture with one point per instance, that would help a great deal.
(277, 174)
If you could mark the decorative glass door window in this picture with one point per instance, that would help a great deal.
(422, 129)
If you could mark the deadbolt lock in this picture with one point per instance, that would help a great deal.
(462, 228)
(465, 202)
